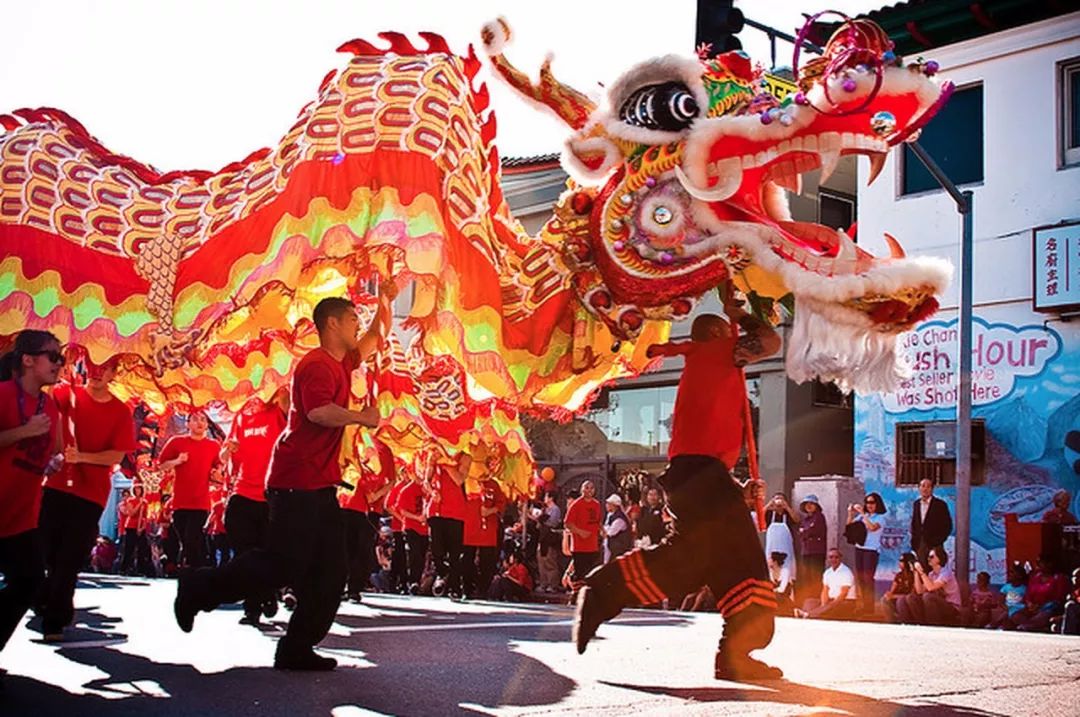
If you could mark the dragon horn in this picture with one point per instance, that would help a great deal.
(570, 105)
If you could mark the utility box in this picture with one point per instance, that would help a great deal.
(835, 493)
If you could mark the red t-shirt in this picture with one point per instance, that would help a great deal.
(586, 514)
(384, 477)
(483, 531)
(451, 496)
(255, 433)
(99, 426)
(411, 498)
(392, 506)
(131, 511)
(22, 464)
(215, 522)
(356, 499)
(520, 575)
(191, 487)
(307, 455)
(710, 403)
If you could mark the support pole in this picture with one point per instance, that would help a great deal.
(965, 205)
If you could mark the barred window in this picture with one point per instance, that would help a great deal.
(928, 450)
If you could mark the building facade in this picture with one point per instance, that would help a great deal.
(1011, 135)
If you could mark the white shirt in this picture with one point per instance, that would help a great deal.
(924, 506)
(839, 577)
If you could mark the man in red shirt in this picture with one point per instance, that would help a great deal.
(446, 522)
(307, 531)
(398, 574)
(483, 532)
(135, 556)
(714, 542)
(191, 458)
(247, 516)
(583, 520)
(29, 433)
(410, 506)
(98, 431)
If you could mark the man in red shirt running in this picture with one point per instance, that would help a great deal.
(714, 541)
(29, 432)
(191, 458)
(98, 431)
(247, 516)
(307, 531)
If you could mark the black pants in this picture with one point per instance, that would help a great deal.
(713, 543)
(247, 523)
(24, 571)
(447, 535)
(188, 525)
(505, 589)
(135, 555)
(68, 528)
(584, 564)
(359, 550)
(305, 550)
(475, 580)
(866, 562)
(398, 573)
(418, 545)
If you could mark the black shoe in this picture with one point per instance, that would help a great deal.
(186, 606)
(290, 601)
(743, 668)
(269, 608)
(355, 598)
(304, 661)
(587, 618)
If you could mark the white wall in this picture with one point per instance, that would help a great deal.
(1022, 186)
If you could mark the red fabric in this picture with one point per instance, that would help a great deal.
(215, 522)
(22, 464)
(191, 487)
(392, 507)
(99, 427)
(586, 514)
(384, 477)
(356, 500)
(480, 531)
(255, 433)
(520, 575)
(307, 454)
(450, 502)
(708, 417)
(411, 498)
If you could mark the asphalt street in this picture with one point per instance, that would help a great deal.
(427, 656)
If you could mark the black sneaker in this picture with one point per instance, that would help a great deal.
(357, 598)
(587, 618)
(269, 608)
(304, 662)
(743, 668)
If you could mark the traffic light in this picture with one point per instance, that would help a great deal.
(717, 24)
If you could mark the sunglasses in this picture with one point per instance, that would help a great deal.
(54, 356)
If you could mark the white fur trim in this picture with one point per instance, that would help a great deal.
(577, 169)
(499, 32)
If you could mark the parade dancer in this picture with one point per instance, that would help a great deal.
(98, 431)
(307, 530)
(192, 458)
(29, 438)
(714, 541)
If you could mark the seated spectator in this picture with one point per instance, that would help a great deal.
(1044, 599)
(936, 600)
(382, 578)
(1012, 593)
(1069, 622)
(903, 583)
(780, 573)
(515, 584)
(984, 601)
(103, 555)
(837, 600)
(1060, 512)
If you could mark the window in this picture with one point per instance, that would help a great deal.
(954, 138)
(1069, 92)
(928, 450)
(835, 210)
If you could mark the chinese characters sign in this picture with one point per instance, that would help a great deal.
(1057, 267)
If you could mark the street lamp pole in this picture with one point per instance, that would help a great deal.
(965, 205)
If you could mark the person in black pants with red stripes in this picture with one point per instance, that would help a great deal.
(713, 541)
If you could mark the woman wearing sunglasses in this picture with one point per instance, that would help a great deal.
(866, 555)
(29, 435)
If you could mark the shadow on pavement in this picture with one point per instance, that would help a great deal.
(812, 698)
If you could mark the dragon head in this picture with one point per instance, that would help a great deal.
(679, 189)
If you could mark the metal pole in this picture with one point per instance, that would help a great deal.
(807, 45)
(963, 401)
(965, 205)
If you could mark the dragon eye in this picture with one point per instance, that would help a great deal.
(668, 106)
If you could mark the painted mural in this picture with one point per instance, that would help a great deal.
(1025, 386)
